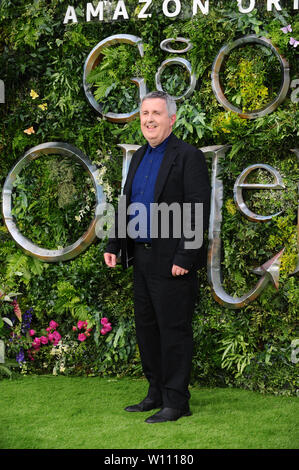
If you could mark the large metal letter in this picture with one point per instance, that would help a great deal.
(176, 61)
(296, 151)
(295, 93)
(30, 248)
(268, 271)
(93, 60)
(165, 47)
(216, 83)
(2, 92)
(240, 185)
(128, 150)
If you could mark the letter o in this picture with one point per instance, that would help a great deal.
(177, 61)
(217, 87)
(70, 251)
(177, 8)
(165, 47)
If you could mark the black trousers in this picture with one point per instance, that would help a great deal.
(164, 308)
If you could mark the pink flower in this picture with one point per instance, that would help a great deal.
(32, 332)
(74, 328)
(17, 310)
(106, 328)
(80, 324)
(36, 343)
(44, 340)
(30, 355)
(81, 337)
(53, 324)
(48, 329)
(57, 337)
(51, 337)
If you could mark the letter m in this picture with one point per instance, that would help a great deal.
(90, 11)
(163, 224)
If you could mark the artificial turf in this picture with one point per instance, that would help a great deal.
(57, 412)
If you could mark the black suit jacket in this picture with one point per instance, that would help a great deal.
(182, 178)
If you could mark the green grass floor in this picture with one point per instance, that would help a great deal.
(47, 412)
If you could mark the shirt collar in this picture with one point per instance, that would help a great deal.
(161, 147)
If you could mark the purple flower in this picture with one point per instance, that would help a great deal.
(21, 356)
(26, 320)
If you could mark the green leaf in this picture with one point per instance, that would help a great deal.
(118, 334)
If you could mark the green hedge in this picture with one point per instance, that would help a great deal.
(41, 64)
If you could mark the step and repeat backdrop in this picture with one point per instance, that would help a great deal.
(71, 79)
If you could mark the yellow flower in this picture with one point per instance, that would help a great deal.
(29, 131)
(230, 207)
(33, 94)
(43, 106)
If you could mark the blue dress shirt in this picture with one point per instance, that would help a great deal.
(143, 188)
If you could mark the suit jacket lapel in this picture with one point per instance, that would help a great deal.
(169, 157)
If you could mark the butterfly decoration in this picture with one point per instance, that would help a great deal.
(29, 131)
(294, 42)
(287, 29)
(43, 106)
(33, 94)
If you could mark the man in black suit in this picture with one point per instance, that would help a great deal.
(170, 171)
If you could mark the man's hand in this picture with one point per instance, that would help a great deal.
(178, 271)
(110, 259)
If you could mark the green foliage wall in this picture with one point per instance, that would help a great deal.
(41, 64)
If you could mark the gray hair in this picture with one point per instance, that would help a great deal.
(170, 102)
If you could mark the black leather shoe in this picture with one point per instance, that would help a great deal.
(168, 414)
(145, 405)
